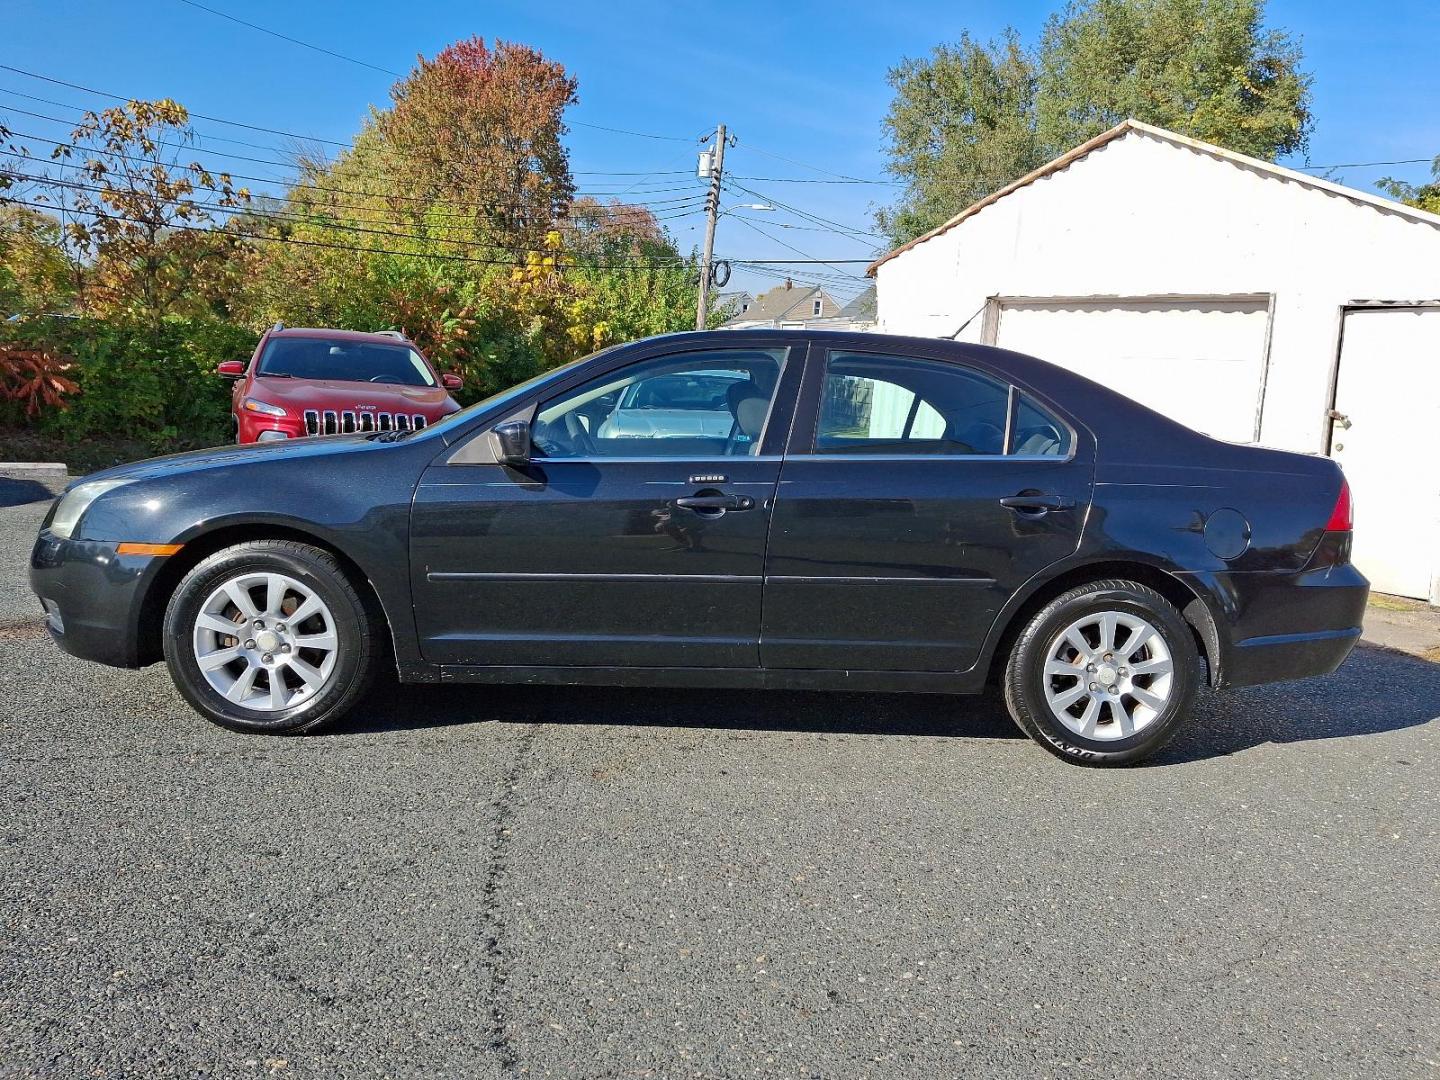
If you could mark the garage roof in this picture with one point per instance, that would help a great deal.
(1126, 127)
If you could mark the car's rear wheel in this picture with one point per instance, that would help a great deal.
(1104, 674)
(270, 636)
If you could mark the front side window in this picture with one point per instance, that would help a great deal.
(901, 405)
(345, 361)
(696, 405)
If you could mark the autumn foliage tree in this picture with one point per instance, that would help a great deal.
(140, 213)
(479, 128)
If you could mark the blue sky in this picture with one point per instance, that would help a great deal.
(802, 81)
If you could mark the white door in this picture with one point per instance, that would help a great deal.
(1198, 361)
(1387, 394)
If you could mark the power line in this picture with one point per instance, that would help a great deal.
(296, 185)
(367, 174)
(206, 135)
(804, 254)
(349, 247)
(198, 115)
(843, 230)
(808, 180)
(294, 41)
(398, 75)
(244, 213)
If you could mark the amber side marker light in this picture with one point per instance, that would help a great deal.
(147, 549)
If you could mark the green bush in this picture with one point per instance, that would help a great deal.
(155, 383)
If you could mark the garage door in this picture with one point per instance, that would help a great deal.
(1200, 361)
(1387, 403)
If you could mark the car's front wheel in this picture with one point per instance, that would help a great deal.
(270, 636)
(1104, 674)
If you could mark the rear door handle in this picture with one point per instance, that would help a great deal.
(1040, 503)
(713, 503)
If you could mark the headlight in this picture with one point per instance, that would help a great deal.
(251, 404)
(77, 500)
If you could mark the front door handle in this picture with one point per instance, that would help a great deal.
(711, 504)
(1037, 503)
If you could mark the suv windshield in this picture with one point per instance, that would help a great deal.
(346, 361)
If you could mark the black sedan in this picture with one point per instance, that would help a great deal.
(734, 510)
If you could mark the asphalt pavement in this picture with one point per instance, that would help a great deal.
(528, 882)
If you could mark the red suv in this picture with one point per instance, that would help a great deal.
(333, 382)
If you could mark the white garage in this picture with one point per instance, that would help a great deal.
(1246, 300)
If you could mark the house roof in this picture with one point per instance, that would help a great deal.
(781, 303)
(862, 307)
(1126, 127)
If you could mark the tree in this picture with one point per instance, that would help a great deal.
(961, 124)
(971, 118)
(141, 214)
(1205, 68)
(36, 272)
(1421, 196)
(479, 129)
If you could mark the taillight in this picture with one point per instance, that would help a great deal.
(1342, 518)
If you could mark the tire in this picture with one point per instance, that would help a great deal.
(301, 674)
(1121, 710)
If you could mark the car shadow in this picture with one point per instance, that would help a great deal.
(1376, 691)
(15, 492)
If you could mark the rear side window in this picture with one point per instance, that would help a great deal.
(1036, 432)
(901, 405)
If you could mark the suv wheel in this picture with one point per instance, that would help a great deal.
(269, 636)
(1104, 674)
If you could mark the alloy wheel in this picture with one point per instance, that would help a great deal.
(1108, 675)
(265, 641)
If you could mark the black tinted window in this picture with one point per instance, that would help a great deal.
(1037, 433)
(891, 404)
(346, 361)
(701, 405)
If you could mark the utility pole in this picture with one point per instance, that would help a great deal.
(712, 211)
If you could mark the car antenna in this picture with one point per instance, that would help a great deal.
(968, 321)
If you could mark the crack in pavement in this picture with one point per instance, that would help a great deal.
(496, 959)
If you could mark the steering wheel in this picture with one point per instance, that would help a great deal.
(387, 379)
(580, 441)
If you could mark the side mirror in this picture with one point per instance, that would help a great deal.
(511, 442)
(231, 369)
(451, 382)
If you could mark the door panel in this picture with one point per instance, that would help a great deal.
(589, 563)
(1387, 394)
(903, 564)
(892, 549)
(635, 536)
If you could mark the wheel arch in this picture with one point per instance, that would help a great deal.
(1187, 600)
(203, 544)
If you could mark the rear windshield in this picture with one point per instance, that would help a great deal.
(346, 361)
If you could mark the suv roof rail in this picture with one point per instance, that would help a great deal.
(398, 335)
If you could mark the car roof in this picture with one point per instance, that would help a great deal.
(1130, 428)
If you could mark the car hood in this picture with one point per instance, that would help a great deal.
(219, 457)
(339, 396)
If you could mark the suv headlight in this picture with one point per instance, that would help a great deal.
(256, 405)
(77, 500)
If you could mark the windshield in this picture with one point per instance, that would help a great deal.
(345, 361)
(455, 419)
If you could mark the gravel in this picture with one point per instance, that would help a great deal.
(506, 882)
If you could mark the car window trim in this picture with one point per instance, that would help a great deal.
(772, 439)
(803, 446)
